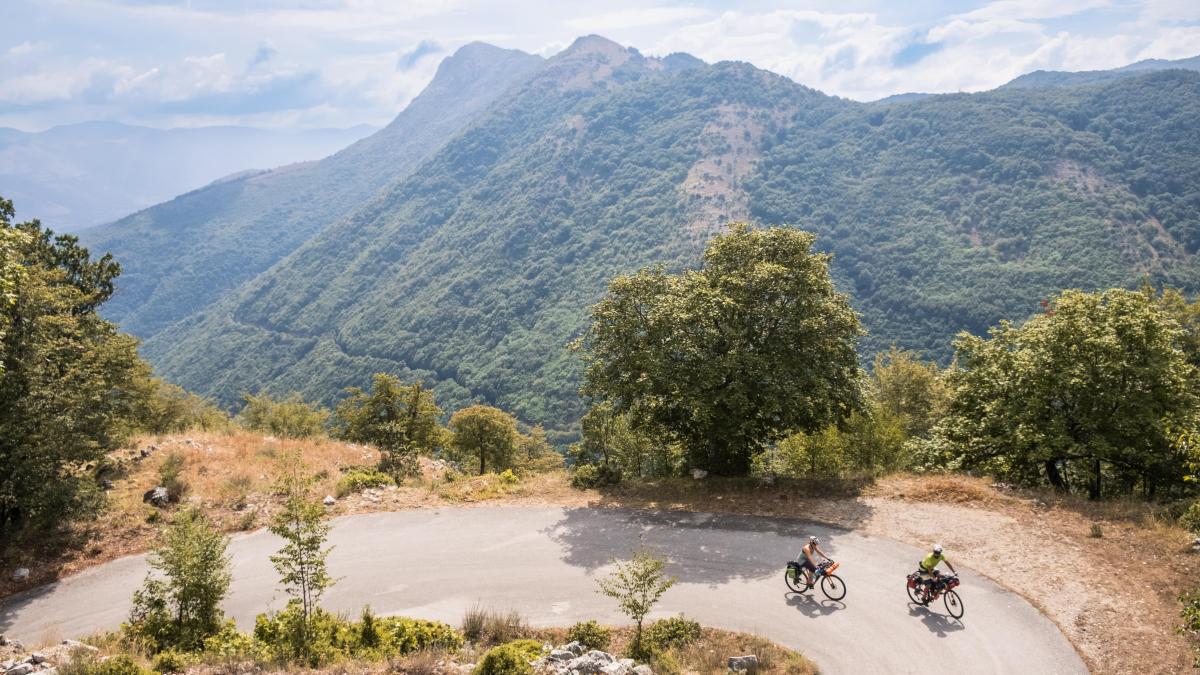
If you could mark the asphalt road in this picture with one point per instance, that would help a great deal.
(543, 563)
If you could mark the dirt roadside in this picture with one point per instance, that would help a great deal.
(1113, 596)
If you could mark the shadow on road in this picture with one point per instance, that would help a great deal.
(938, 624)
(701, 547)
(10, 606)
(812, 607)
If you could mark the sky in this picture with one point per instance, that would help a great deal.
(338, 63)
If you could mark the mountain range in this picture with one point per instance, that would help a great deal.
(463, 243)
(80, 175)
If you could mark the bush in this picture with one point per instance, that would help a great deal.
(86, 663)
(1190, 520)
(287, 418)
(513, 658)
(170, 476)
(677, 631)
(361, 479)
(231, 644)
(332, 637)
(507, 477)
(594, 475)
(1191, 618)
(171, 661)
(483, 626)
(590, 634)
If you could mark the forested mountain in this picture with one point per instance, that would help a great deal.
(1058, 78)
(80, 175)
(182, 255)
(946, 213)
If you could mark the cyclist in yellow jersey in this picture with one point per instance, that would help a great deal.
(928, 565)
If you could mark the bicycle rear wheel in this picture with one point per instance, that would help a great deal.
(954, 604)
(795, 580)
(833, 587)
(913, 593)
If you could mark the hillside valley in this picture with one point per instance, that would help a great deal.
(473, 264)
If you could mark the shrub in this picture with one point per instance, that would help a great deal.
(405, 636)
(487, 627)
(361, 479)
(1190, 520)
(171, 661)
(677, 631)
(287, 418)
(594, 475)
(1191, 618)
(507, 477)
(170, 476)
(286, 636)
(86, 663)
(512, 658)
(590, 634)
(230, 644)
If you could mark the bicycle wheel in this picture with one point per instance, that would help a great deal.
(954, 604)
(833, 587)
(795, 580)
(913, 593)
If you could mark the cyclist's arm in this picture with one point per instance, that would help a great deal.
(818, 549)
(950, 566)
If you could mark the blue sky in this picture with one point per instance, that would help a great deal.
(315, 63)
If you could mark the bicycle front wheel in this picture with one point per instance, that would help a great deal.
(954, 604)
(833, 587)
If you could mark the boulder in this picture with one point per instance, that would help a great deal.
(20, 574)
(642, 669)
(591, 663)
(20, 669)
(329, 500)
(5, 665)
(561, 655)
(574, 647)
(158, 496)
(37, 657)
(699, 474)
(616, 668)
(744, 664)
(3, 640)
(106, 484)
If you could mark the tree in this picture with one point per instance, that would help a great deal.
(401, 420)
(725, 359)
(1096, 386)
(67, 382)
(637, 585)
(486, 434)
(167, 408)
(184, 607)
(610, 440)
(301, 561)
(910, 390)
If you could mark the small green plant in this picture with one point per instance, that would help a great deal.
(170, 476)
(1191, 619)
(637, 585)
(247, 521)
(171, 661)
(87, 663)
(512, 658)
(590, 634)
(1097, 531)
(677, 631)
(507, 477)
(237, 490)
(483, 626)
(362, 479)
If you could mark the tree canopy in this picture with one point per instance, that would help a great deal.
(726, 358)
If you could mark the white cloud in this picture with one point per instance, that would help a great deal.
(635, 18)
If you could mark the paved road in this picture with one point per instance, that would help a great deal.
(542, 562)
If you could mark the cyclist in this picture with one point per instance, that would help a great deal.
(928, 568)
(808, 562)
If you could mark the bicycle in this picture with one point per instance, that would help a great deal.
(923, 593)
(831, 584)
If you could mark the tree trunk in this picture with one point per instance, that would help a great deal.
(1094, 487)
(482, 461)
(1054, 475)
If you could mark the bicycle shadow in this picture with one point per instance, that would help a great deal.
(938, 624)
(811, 607)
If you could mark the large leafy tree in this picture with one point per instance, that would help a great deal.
(68, 387)
(1096, 386)
(399, 419)
(729, 357)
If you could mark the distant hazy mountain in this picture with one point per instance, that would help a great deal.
(474, 269)
(85, 174)
(1058, 78)
(184, 254)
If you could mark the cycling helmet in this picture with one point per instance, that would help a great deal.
(937, 549)
(814, 540)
